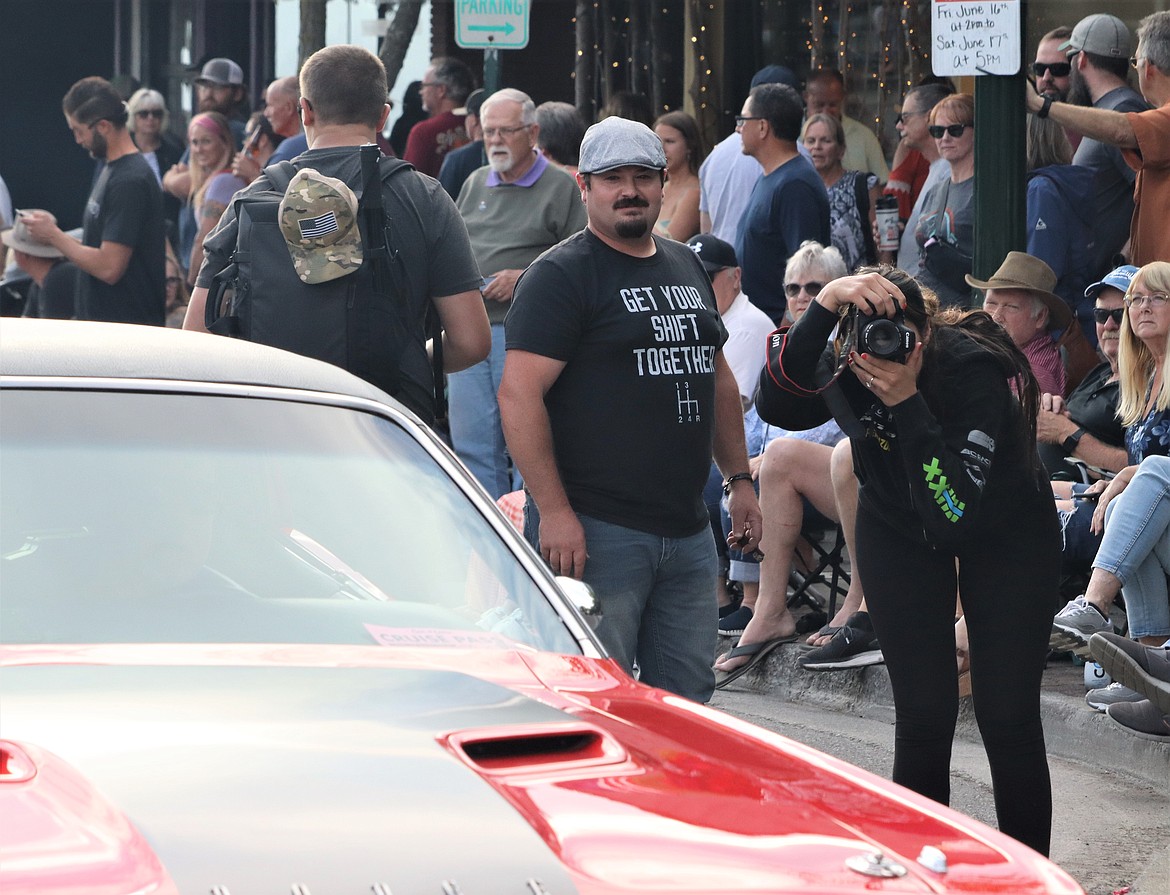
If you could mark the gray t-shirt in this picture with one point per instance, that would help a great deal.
(948, 215)
(909, 252)
(1112, 199)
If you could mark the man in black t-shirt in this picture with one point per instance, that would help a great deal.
(615, 396)
(122, 252)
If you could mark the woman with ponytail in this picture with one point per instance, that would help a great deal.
(952, 497)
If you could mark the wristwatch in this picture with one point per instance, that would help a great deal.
(732, 479)
(1070, 443)
(1043, 111)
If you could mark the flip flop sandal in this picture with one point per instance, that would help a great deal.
(757, 651)
(826, 631)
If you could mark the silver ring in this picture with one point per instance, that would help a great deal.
(870, 383)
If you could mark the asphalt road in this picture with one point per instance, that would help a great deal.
(1109, 831)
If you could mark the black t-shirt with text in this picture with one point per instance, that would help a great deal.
(633, 410)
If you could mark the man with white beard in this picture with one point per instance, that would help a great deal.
(515, 208)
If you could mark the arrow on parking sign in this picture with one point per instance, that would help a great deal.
(507, 28)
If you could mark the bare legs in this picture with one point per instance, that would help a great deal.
(791, 471)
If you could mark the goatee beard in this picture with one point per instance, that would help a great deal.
(632, 229)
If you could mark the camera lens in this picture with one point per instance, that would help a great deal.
(882, 338)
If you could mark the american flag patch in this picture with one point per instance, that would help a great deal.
(313, 228)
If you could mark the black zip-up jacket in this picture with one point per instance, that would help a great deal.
(940, 469)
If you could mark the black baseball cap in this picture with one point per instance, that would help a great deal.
(713, 252)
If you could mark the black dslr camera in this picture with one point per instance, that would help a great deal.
(885, 337)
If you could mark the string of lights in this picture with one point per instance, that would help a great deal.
(878, 45)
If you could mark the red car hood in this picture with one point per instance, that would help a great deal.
(257, 767)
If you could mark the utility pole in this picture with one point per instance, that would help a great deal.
(1000, 178)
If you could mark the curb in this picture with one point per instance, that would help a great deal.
(1071, 729)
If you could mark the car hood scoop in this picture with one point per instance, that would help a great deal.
(256, 779)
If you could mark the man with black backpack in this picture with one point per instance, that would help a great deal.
(300, 262)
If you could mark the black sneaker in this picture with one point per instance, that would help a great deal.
(736, 600)
(854, 646)
(735, 622)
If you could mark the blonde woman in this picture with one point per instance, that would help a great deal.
(212, 182)
(1144, 410)
(148, 127)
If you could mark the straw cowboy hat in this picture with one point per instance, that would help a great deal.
(1021, 271)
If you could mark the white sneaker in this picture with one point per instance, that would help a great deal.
(1074, 625)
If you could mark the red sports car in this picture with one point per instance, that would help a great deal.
(261, 633)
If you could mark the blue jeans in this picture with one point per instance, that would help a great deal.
(475, 420)
(658, 607)
(1080, 544)
(1136, 547)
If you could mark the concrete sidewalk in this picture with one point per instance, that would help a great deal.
(1072, 729)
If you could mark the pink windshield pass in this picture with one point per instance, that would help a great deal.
(386, 636)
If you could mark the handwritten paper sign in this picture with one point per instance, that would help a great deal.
(975, 37)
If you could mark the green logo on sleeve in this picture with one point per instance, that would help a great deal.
(945, 497)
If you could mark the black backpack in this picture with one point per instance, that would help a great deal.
(361, 322)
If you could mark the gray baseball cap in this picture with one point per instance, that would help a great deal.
(1100, 34)
(616, 142)
(221, 72)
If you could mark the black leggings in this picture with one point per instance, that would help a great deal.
(1008, 582)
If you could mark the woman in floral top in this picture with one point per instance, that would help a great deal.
(852, 194)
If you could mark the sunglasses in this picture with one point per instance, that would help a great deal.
(1102, 315)
(902, 116)
(793, 289)
(955, 130)
(149, 113)
(1058, 69)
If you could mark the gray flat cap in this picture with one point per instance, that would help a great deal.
(616, 142)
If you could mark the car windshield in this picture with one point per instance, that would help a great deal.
(162, 517)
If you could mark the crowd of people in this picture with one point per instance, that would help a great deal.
(677, 362)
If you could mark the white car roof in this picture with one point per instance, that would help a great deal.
(74, 348)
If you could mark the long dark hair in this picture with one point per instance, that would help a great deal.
(923, 310)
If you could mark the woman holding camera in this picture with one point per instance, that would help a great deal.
(952, 497)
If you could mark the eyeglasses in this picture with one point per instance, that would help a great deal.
(489, 133)
(740, 119)
(1058, 69)
(1134, 60)
(422, 84)
(902, 116)
(812, 288)
(149, 113)
(1154, 300)
(1102, 315)
(955, 130)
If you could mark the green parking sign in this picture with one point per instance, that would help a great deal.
(492, 24)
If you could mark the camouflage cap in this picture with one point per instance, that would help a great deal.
(319, 219)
